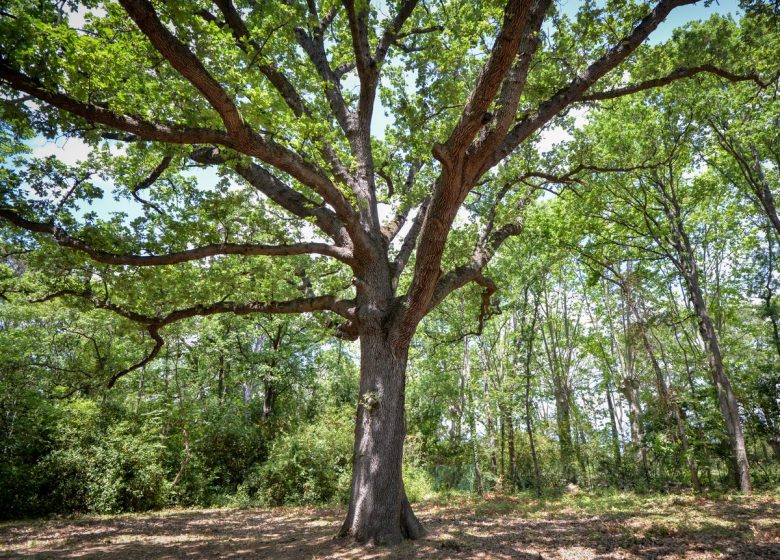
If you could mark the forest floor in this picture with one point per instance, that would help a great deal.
(571, 527)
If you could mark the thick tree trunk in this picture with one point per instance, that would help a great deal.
(269, 398)
(379, 512)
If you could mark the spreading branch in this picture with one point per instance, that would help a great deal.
(577, 87)
(678, 74)
(245, 249)
(153, 324)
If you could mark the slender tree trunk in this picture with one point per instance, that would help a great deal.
(630, 388)
(529, 428)
(613, 425)
(528, 335)
(563, 418)
(379, 511)
(472, 418)
(511, 450)
(686, 263)
(669, 400)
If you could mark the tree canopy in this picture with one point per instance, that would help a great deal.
(367, 164)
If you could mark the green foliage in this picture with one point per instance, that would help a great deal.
(308, 466)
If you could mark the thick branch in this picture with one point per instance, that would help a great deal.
(485, 249)
(267, 150)
(514, 83)
(186, 63)
(678, 74)
(105, 257)
(345, 308)
(503, 54)
(128, 123)
(577, 87)
(271, 186)
(392, 33)
(314, 46)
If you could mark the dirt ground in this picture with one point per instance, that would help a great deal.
(499, 527)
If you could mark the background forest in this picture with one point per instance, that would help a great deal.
(652, 216)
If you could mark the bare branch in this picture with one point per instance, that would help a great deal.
(410, 241)
(269, 70)
(149, 181)
(158, 344)
(392, 33)
(393, 226)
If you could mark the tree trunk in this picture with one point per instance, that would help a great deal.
(269, 398)
(668, 399)
(727, 400)
(613, 425)
(379, 511)
(563, 417)
(685, 262)
(630, 389)
(466, 374)
(511, 450)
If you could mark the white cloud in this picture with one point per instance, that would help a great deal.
(69, 150)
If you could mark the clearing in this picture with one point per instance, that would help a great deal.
(572, 527)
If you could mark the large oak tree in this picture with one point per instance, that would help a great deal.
(283, 97)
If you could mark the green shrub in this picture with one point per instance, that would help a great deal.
(308, 466)
(105, 469)
(418, 483)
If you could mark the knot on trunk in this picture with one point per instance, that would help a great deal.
(370, 400)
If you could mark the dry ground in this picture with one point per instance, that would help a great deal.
(622, 526)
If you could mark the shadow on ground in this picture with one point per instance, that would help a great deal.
(500, 528)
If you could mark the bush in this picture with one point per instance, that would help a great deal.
(104, 469)
(418, 483)
(309, 466)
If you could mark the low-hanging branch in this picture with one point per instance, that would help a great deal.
(153, 324)
(216, 249)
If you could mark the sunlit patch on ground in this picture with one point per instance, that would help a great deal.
(581, 527)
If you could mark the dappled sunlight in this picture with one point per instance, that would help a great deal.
(565, 528)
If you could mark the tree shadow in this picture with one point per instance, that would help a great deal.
(500, 529)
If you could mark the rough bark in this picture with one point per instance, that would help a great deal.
(379, 512)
